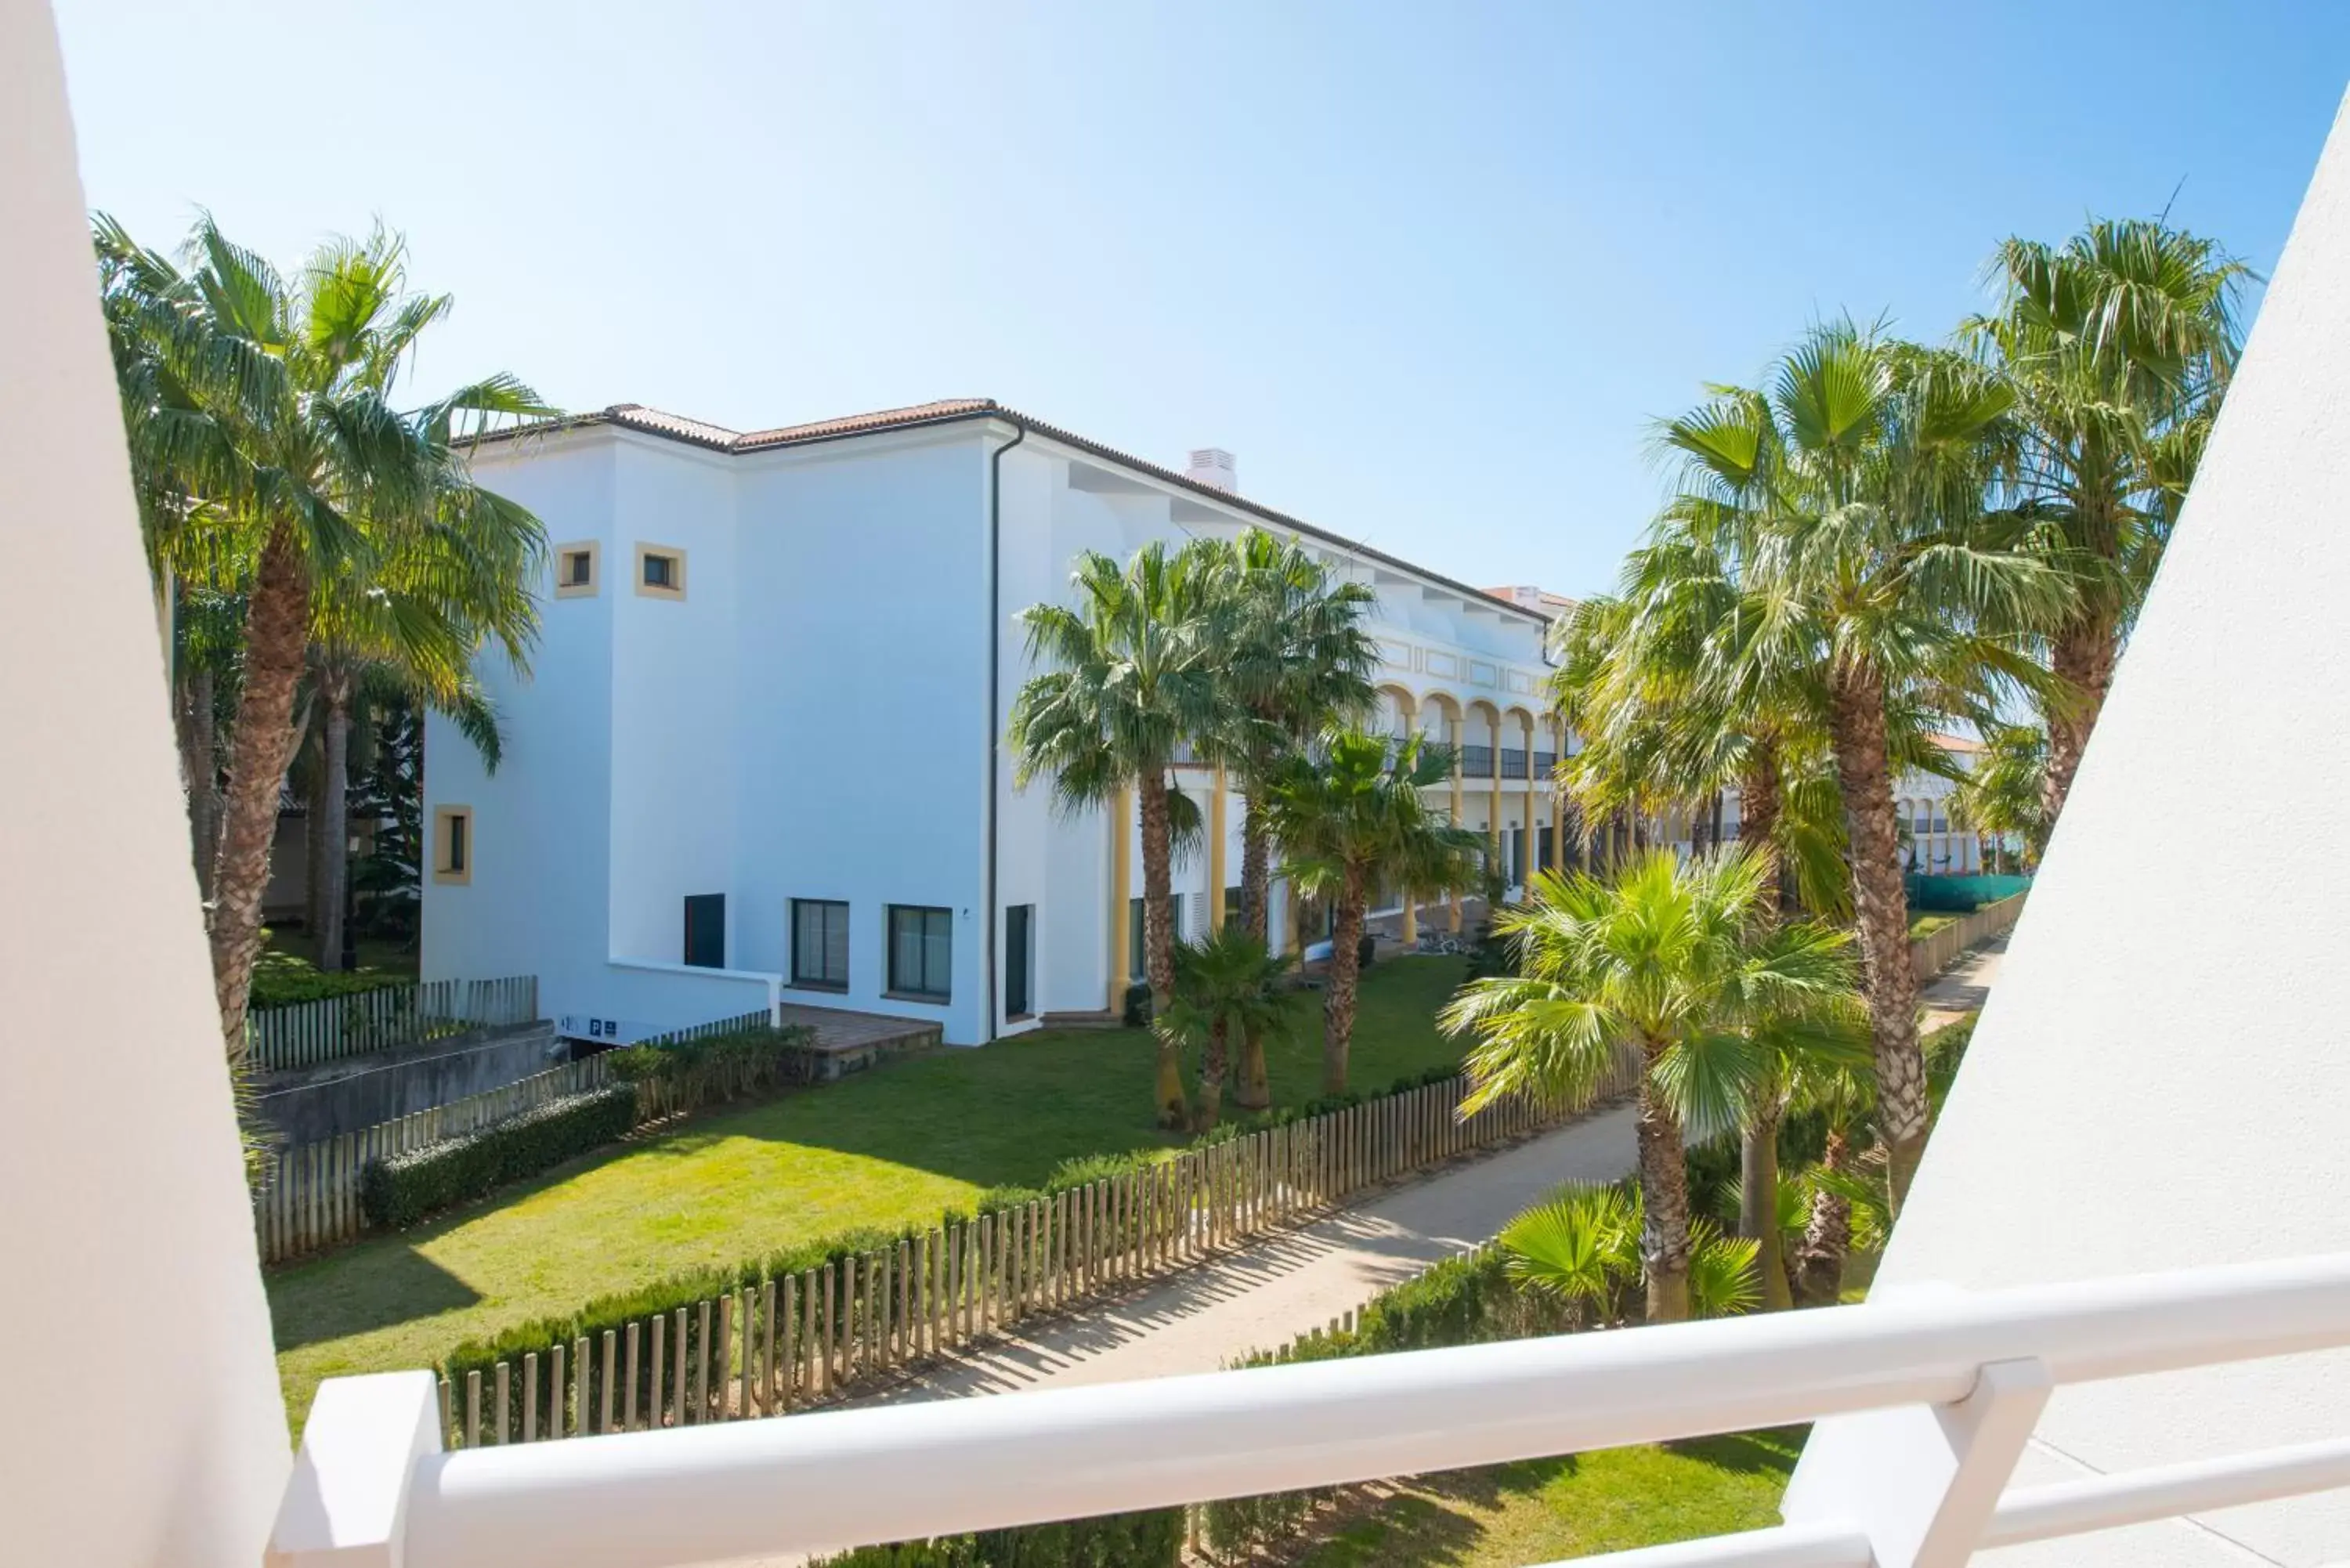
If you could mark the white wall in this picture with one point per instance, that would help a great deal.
(2159, 1080)
(145, 1425)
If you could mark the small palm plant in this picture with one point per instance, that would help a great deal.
(1666, 977)
(1582, 1246)
(1227, 990)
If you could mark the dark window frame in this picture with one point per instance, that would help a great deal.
(834, 910)
(705, 901)
(917, 988)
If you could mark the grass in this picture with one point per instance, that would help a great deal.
(1540, 1511)
(1926, 924)
(893, 1146)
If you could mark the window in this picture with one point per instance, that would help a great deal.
(921, 952)
(660, 572)
(1138, 964)
(1018, 979)
(576, 570)
(453, 844)
(820, 943)
(706, 931)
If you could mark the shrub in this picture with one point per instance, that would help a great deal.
(399, 1191)
(1136, 1011)
(1367, 950)
(720, 1067)
(281, 980)
(1151, 1539)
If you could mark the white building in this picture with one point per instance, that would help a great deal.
(760, 755)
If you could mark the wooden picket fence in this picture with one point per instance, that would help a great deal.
(308, 1034)
(1939, 949)
(800, 1340)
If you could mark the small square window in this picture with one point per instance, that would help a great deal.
(660, 572)
(576, 569)
(453, 844)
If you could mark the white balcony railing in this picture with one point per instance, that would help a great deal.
(1924, 1404)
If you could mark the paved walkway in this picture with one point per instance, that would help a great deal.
(1964, 987)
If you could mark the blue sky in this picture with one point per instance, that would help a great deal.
(1428, 271)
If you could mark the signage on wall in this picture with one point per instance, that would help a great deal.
(604, 1030)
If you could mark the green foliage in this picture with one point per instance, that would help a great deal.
(1152, 1538)
(399, 1191)
(1581, 1247)
(1135, 1009)
(282, 979)
(718, 1067)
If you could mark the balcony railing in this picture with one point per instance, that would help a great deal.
(1544, 763)
(1513, 762)
(1477, 762)
(1923, 1405)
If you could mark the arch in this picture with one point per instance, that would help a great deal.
(1406, 705)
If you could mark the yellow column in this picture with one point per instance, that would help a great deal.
(1216, 853)
(1452, 738)
(1557, 804)
(1493, 815)
(1121, 894)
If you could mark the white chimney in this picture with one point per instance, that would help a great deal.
(1212, 466)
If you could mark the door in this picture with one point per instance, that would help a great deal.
(706, 931)
(1016, 921)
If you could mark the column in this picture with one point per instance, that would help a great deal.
(1452, 738)
(1216, 852)
(1557, 801)
(1121, 893)
(1493, 814)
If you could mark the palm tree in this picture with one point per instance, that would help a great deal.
(2118, 345)
(1665, 976)
(1227, 989)
(266, 403)
(1581, 1246)
(1130, 674)
(1353, 820)
(1299, 661)
(2005, 792)
(1849, 497)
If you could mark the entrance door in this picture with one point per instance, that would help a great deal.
(1016, 921)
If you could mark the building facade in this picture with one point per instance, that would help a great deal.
(760, 754)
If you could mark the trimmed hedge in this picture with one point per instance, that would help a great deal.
(1151, 1539)
(715, 1067)
(399, 1191)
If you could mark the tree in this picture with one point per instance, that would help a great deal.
(2005, 793)
(1850, 498)
(2117, 346)
(1131, 673)
(1663, 977)
(260, 409)
(1350, 821)
(1299, 661)
(1227, 989)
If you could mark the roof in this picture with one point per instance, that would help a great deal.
(946, 410)
(1959, 744)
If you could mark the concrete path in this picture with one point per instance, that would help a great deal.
(1268, 1292)
(1964, 987)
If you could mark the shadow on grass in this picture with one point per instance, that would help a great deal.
(392, 1284)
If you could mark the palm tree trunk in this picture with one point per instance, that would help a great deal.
(1856, 729)
(276, 629)
(1339, 994)
(1758, 1197)
(313, 850)
(2082, 655)
(1158, 941)
(1212, 1064)
(1664, 1203)
(1253, 1091)
(333, 874)
(1256, 873)
(1827, 1236)
(1758, 814)
(201, 760)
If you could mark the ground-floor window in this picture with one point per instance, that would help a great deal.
(706, 931)
(921, 952)
(820, 943)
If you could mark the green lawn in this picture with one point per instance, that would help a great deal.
(1926, 924)
(1543, 1510)
(894, 1147)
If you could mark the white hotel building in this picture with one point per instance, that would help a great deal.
(759, 758)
